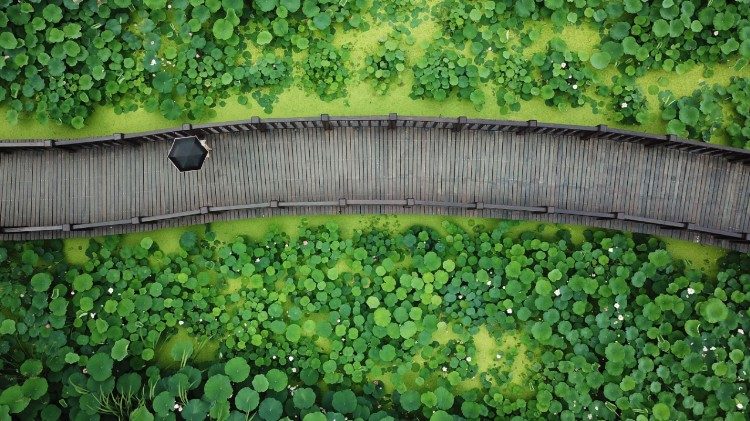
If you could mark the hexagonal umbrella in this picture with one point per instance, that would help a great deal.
(188, 153)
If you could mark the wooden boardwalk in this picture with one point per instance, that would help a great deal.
(47, 188)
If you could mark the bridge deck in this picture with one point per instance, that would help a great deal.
(53, 188)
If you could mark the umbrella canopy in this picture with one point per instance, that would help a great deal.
(188, 153)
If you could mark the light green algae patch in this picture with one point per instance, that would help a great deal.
(204, 351)
(74, 250)
(698, 256)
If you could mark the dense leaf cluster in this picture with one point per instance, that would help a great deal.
(564, 76)
(636, 35)
(626, 101)
(711, 109)
(514, 77)
(443, 72)
(417, 324)
(384, 66)
(59, 60)
(324, 71)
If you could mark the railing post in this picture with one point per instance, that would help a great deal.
(120, 138)
(255, 121)
(459, 125)
(530, 124)
(56, 144)
(392, 119)
(326, 120)
(600, 130)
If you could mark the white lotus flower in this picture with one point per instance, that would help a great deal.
(509, 311)
(575, 86)
(563, 65)
(557, 292)
(624, 105)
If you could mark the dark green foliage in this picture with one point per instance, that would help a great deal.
(514, 77)
(565, 77)
(704, 113)
(325, 71)
(316, 323)
(60, 60)
(401, 11)
(670, 35)
(696, 116)
(626, 101)
(384, 66)
(181, 60)
(443, 72)
(738, 124)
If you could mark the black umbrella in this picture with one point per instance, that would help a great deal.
(188, 153)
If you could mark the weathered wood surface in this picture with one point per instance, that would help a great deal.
(497, 170)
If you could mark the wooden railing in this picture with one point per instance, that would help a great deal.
(391, 121)
(733, 236)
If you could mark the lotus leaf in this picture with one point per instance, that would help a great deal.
(99, 367)
(218, 388)
(270, 409)
(303, 398)
(223, 29)
(237, 369)
(344, 401)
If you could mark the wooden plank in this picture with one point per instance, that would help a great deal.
(377, 170)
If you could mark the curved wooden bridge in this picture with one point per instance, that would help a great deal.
(555, 177)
